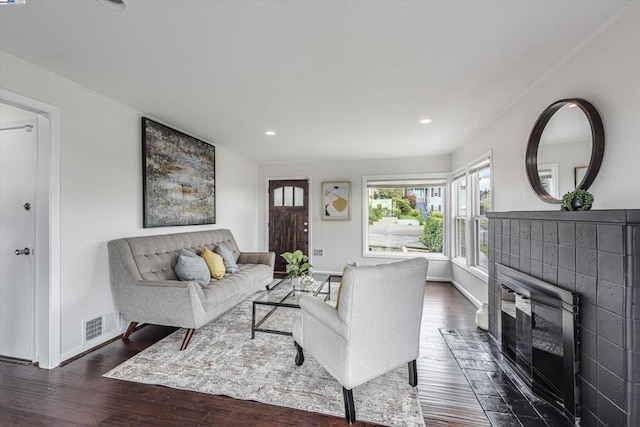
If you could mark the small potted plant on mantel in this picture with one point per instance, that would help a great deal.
(297, 263)
(578, 200)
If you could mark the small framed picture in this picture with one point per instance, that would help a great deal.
(578, 174)
(336, 201)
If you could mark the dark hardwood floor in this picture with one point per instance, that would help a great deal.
(77, 394)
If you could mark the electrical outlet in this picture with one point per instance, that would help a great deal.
(315, 252)
(320, 252)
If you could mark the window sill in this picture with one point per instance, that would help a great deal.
(404, 255)
(480, 274)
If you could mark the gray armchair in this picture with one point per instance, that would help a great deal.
(375, 328)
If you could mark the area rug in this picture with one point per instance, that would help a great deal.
(222, 359)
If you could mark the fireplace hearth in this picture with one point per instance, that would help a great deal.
(538, 331)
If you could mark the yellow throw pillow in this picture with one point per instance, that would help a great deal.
(214, 262)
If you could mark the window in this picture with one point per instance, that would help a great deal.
(472, 200)
(481, 178)
(288, 196)
(460, 223)
(405, 215)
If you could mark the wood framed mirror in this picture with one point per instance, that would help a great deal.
(565, 149)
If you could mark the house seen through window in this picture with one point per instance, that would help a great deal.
(405, 216)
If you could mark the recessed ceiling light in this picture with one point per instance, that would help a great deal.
(115, 4)
(425, 121)
(270, 133)
(572, 105)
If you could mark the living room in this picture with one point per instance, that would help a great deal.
(95, 189)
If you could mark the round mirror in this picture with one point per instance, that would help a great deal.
(565, 149)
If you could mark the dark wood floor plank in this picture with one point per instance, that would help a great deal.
(77, 394)
(445, 395)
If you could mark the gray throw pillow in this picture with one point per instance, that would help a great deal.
(227, 257)
(191, 267)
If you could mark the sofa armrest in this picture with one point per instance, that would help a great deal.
(162, 302)
(268, 258)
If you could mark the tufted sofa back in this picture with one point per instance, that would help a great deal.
(155, 256)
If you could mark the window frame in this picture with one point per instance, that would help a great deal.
(442, 179)
(473, 216)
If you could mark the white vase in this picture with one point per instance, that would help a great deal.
(482, 317)
(295, 282)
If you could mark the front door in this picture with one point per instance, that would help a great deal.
(288, 218)
(17, 235)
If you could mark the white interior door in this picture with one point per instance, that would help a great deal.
(17, 235)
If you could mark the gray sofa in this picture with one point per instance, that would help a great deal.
(146, 289)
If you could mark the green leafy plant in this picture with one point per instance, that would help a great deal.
(297, 262)
(578, 200)
(433, 237)
(375, 214)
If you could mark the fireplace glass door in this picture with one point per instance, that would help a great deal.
(538, 331)
(548, 347)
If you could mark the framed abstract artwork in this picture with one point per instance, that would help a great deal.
(336, 201)
(179, 177)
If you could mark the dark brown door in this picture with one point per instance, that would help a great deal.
(288, 218)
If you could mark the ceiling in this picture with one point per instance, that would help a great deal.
(336, 80)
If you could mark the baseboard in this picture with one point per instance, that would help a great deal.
(76, 353)
(466, 294)
(439, 279)
(429, 279)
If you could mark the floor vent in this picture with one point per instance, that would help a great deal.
(103, 324)
(93, 328)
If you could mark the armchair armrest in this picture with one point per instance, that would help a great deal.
(268, 258)
(324, 314)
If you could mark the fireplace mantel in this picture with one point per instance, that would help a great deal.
(596, 254)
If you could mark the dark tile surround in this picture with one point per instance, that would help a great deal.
(597, 254)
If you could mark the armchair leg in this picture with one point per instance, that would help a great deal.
(349, 407)
(299, 355)
(413, 374)
(187, 338)
(129, 330)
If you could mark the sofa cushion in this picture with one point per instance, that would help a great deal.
(215, 263)
(190, 267)
(227, 257)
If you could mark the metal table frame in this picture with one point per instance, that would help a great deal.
(255, 327)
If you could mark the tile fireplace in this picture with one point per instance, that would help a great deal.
(591, 261)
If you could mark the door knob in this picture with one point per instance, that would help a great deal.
(24, 251)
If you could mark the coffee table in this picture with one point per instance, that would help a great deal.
(282, 295)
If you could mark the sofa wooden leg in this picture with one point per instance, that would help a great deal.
(187, 338)
(413, 374)
(299, 355)
(349, 407)
(129, 330)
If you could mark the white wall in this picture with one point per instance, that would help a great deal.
(606, 72)
(101, 190)
(342, 240)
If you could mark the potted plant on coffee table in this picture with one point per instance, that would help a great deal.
(297, 263)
